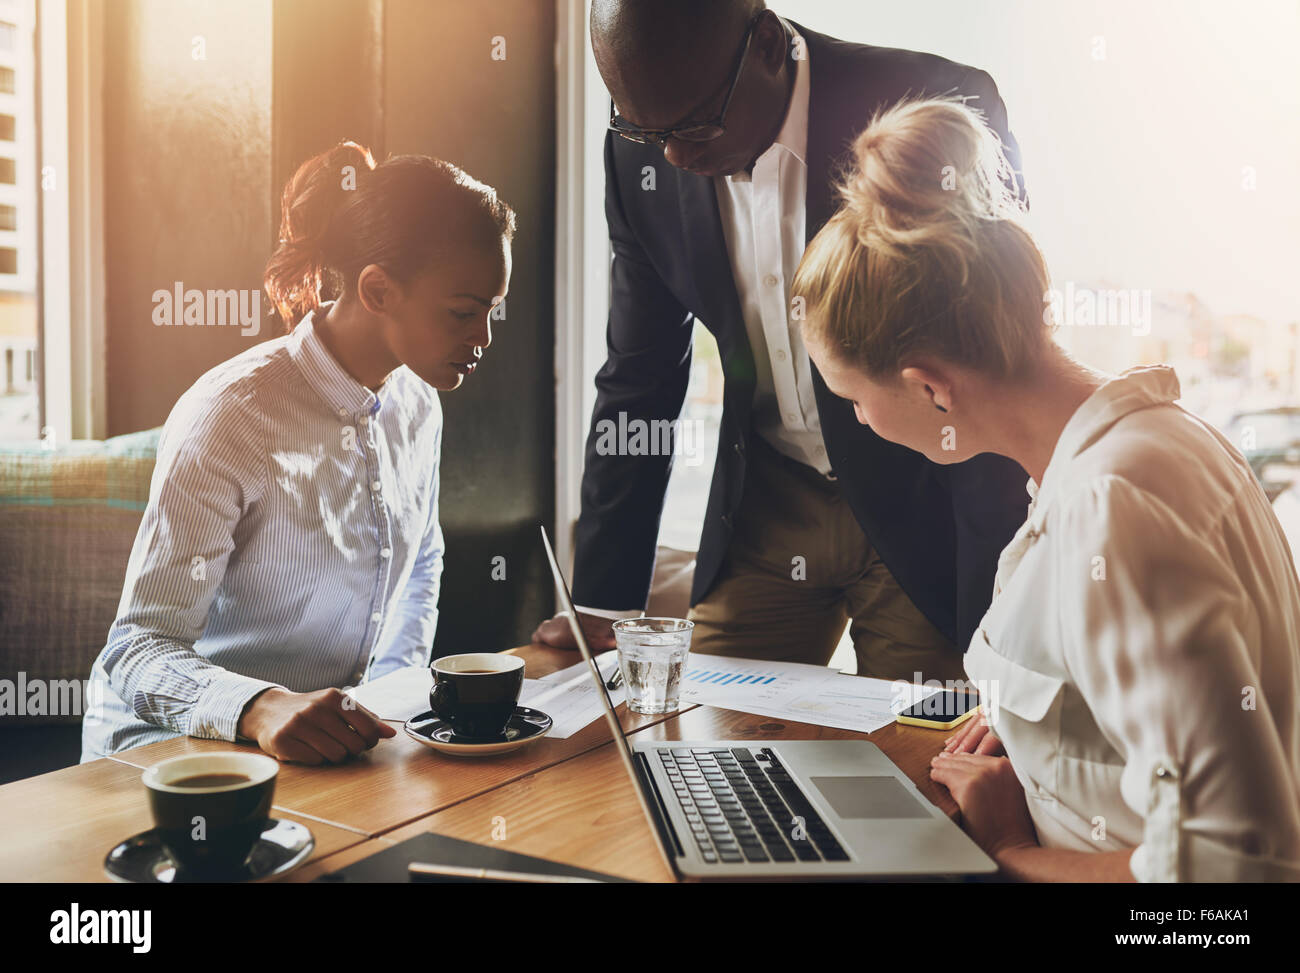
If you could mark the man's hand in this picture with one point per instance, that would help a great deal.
(555, 632)
(992, 802)
(975, 736)
(326, 726)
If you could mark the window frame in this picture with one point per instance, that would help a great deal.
(71, 274)
(582, 258)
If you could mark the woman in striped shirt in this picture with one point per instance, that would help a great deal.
(291, 543)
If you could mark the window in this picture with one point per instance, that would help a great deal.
(20, 408)
(1193, 240)
(1182, 248)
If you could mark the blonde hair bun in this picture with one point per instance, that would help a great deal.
(927, 254)
(927, 173)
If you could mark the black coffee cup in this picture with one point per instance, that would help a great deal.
(476, 693)
(210, 809)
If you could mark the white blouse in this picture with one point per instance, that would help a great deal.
(1141, 656)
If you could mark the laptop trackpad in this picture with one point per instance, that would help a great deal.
(869, 797)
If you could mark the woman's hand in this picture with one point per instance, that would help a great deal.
(326, 726)
(992, 802)
(975, 736)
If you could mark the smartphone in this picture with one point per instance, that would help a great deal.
(942, 710)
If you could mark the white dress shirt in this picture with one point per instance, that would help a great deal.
(1141, 656)
(763, 220)
(291, 539)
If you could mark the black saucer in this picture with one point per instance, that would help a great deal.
(283, 846)
(525, 726)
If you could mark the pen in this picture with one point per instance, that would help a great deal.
(492, 874)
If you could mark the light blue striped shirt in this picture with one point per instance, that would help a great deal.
(291, 539)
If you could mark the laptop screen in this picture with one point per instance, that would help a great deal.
(562, 587)
(611, 718)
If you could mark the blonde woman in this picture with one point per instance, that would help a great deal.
(1139, 658)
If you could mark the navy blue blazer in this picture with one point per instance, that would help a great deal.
(938, 528)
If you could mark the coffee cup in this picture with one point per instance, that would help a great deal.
(476, 693)
(210, 808)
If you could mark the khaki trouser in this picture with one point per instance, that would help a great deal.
(799, 566)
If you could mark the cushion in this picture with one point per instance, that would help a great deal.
(68, 518)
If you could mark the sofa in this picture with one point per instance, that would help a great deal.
(68, 518)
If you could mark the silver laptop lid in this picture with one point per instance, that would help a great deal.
(611, 718)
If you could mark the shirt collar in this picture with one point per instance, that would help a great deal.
(793, 136)
(345, 396)
(1134, 389)
(794, 131)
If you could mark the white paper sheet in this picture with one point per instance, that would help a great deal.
(780, 690)
(567, 696)
(570, 696)
(797, 691)
(398, 695)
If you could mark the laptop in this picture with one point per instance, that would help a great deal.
(781, 809)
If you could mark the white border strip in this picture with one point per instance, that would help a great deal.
(72, 84)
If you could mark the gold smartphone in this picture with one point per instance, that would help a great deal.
(942, 710)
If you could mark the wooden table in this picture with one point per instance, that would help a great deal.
(566, 800)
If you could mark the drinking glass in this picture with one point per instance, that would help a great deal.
(652, 656)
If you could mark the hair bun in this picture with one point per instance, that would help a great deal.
(316, 191)
(925, 259)
(354, 154)
(318, 188)
(926, 173)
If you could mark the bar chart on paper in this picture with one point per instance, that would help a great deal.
(724, 677)
(796, 691)
(728, 682)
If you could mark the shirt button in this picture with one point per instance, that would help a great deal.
(780, 356)
(375, 486)
(343, 412)
(771, 280)
(386, 552)
(792, 417)
(376, 617)
(821, 450)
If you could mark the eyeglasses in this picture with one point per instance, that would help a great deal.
(695, 131)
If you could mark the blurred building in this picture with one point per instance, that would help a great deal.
(19, 181)
(1225, 362)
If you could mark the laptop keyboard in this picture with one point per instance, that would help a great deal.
(743, 808)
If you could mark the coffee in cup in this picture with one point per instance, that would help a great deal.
(476, 693)
(210, 809)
